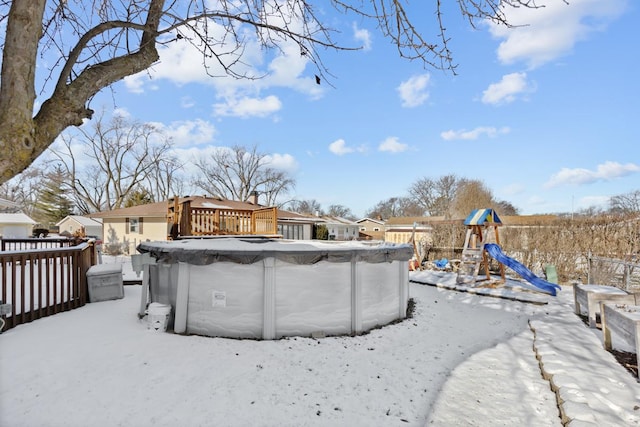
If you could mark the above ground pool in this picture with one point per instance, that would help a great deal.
(271, 288)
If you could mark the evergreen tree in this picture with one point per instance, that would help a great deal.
(52, 204)
(140, 196)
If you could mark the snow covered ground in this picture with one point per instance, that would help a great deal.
(462, 360)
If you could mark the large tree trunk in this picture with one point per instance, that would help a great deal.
(18, 143)
(24, 137)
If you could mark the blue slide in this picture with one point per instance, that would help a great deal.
(496, 253)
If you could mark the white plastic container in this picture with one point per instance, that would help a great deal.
(158, 317)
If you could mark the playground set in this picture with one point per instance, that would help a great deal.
(478, 250)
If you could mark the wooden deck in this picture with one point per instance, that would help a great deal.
(188, 221)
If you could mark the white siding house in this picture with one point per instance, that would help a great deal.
(341, 228)
(15, 225)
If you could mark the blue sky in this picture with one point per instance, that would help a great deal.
(543, 114)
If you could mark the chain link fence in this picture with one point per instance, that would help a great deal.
(622, 274)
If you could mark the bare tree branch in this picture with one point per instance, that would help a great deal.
(123, 156)
(112, 39)
(238, 172)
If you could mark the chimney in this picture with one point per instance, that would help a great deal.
(254, 197)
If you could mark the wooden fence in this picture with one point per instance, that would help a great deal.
(41, 282)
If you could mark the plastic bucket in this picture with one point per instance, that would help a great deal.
(158, 317)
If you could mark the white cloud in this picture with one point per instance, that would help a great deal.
(363, 36)
(340, 148)
(121, 112)
(182, 63)
(248, 107)
(507, 89)
(413, 92)
(189, 132)
(287, 69)
(284, 162)
(579, 176)
(135, 83)
(392, 145)
(544, 34)
(473, 134)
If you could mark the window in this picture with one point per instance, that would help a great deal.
(291, 231)
(134, 225)
(376, 228)
(363, 228)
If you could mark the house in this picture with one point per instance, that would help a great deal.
(124, 229)
(340, 228)
(15, 225)
(73, 224)
(295, 226)
(371, 229)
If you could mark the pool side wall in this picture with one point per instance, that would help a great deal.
(271, 299)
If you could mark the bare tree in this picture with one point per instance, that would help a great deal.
(309, 207)
(395, 207)
(470, 194)
(95, 44)
(23, 189)
(118, 157)
(505, 208)
(627, 203)
(165, 178)
(435, 196)
(236, 173)
(340, 211)
(454, 197)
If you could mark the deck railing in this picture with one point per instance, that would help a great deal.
(35, 243)
(42, 282)
(196, 221)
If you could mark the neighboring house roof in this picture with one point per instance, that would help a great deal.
(15, 218)
(82, 220)
(410, 220)
(337, 220)
(422, 223)
(150, 209)
(377, 221)
(288, 216)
